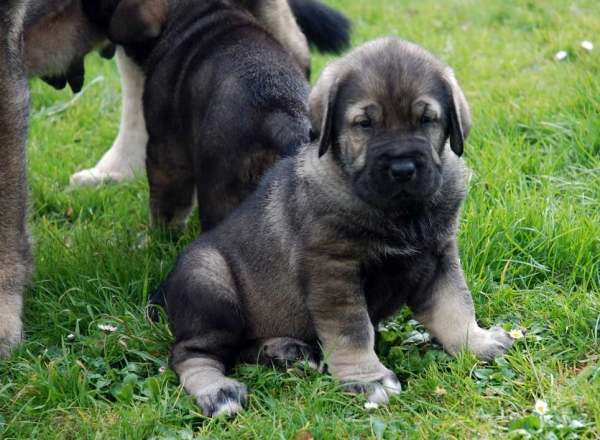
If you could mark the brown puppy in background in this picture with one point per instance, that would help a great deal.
(338, 238)
(15, 255)
(223, 100)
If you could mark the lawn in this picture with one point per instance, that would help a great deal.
(529, 244)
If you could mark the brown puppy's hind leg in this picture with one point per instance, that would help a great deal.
(282, 352)
(208, 324)
(171, 180)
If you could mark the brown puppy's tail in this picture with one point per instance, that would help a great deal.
(326, 28)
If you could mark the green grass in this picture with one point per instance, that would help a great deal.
(529, 243)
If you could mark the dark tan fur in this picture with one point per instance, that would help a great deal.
(337, 239)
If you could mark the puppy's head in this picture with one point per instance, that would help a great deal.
(385, 112)
(128, 21)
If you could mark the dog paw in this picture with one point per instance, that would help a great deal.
(7, 343)
(378, 390)
(10, 327)
(95, 176)
(487, 344)
(228, 398)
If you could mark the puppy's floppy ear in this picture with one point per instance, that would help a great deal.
(326, 138)
(460, 115)
(135, 21)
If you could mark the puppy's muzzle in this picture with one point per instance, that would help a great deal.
(398, 170)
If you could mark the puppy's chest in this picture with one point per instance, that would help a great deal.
(407, 238)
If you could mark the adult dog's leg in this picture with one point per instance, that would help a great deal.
(15, 257)
(208, 326)
(128, 153)
(277, 17)
(342, 322)
(447, 312)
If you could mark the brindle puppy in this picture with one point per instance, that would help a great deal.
(15, 257)
(223, 100)
(338, 238)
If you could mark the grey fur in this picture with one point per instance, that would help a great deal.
(334, 240)
(15, 257)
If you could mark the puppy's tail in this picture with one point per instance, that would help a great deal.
(326, 28)
(287, 133)
(158, 300)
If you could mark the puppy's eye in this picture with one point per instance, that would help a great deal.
(427, 120)
(364, 123)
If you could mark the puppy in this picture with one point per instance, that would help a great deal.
(15, 256)
(222, 98)
(360, 222)
(321, 25)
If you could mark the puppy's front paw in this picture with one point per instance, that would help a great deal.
(377, 390)
(228, 397)
(487, 344)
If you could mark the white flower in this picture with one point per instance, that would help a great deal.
(587, 45)
(371, 405)
(561, 55)
(440, 391)
(516, 334)
(541, 407)
(162, 369)
(107, 327)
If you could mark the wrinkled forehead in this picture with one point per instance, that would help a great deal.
(395, 81)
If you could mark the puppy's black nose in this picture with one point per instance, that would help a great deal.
(403, 169)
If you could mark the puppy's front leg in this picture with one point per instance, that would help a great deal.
(447, 312)
(340, 316)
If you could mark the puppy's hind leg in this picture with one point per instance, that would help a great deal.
(447, 312)
(171, 180)
(128, 153)
(208, 325)
(282, 352)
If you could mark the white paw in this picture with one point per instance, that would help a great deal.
(95, 176)
(378, 390)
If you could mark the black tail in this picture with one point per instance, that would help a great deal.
(326, 28)
(158, 300)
